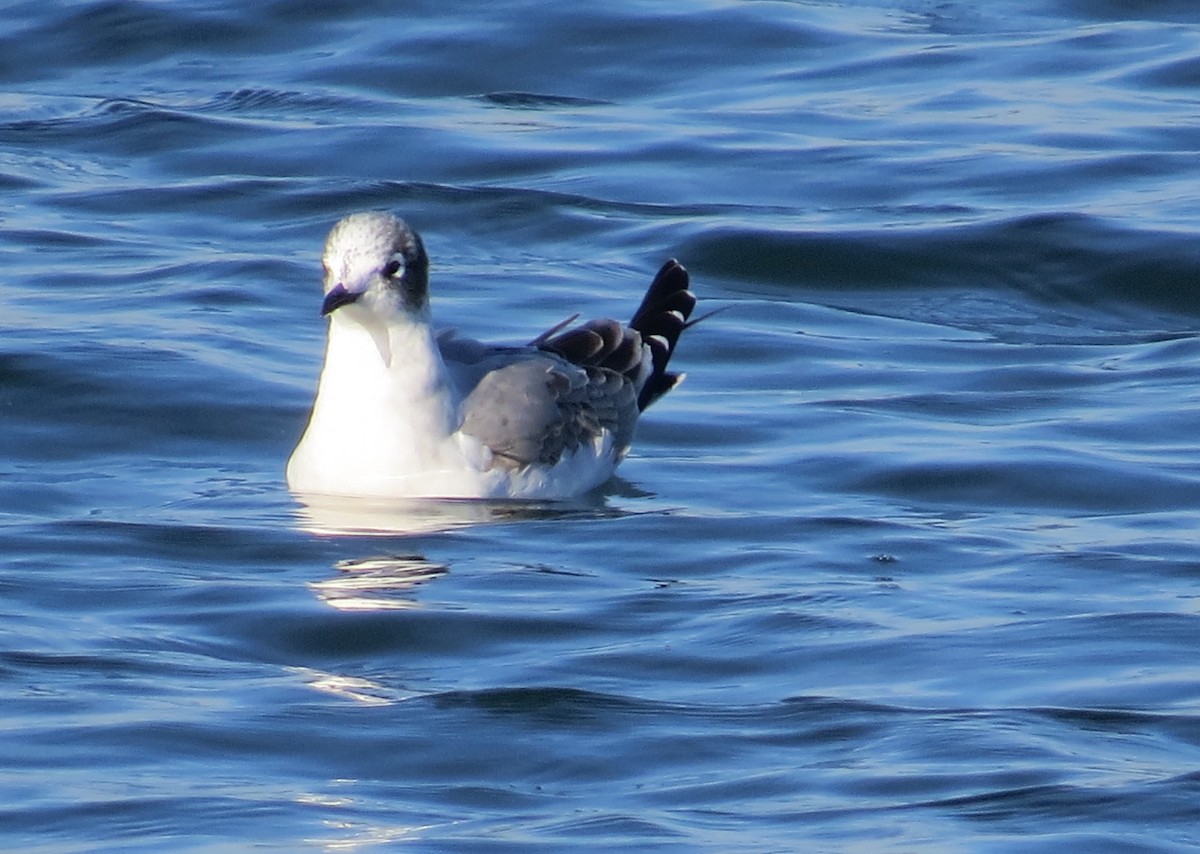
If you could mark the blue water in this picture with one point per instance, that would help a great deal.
(909, 563)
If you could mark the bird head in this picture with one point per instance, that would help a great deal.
(376, 263)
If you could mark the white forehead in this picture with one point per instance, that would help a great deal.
(362, 239)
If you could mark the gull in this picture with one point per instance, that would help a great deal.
(405, 410)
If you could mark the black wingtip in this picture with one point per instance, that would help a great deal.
(668, 291)
(660, 320)
(656, 386)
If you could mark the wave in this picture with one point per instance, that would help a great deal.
(1053, 260)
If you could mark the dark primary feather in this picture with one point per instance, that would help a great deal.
(660, 320)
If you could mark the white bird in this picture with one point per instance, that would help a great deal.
(404, 410)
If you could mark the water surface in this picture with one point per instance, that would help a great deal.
(908, 563)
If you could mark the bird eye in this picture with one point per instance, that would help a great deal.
(391, 268)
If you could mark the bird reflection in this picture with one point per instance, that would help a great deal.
(342, 516)
(389, 582)
(377, 583)
(360, 690)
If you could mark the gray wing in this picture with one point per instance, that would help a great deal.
(530, 406)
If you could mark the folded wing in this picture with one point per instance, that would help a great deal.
(579, 388)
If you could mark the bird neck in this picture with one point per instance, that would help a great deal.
(398, 349)
(377, 373)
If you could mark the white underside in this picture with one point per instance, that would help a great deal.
(384, 424)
